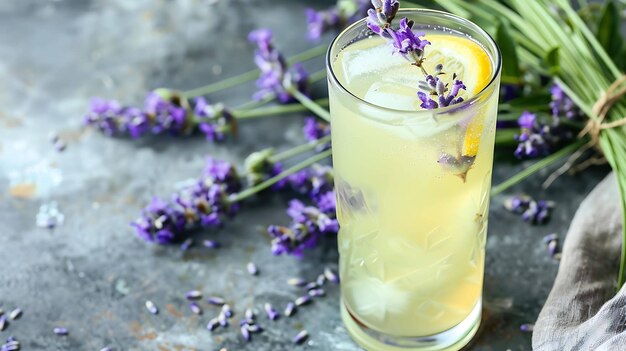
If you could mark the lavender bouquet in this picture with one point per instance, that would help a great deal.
(562, 97)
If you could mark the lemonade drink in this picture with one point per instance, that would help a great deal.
(412, 189)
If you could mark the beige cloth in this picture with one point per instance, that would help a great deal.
(582, 311)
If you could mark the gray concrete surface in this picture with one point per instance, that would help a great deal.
(92, 275)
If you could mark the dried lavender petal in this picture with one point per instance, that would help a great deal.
(290, 309)
(254, 328)
(245, 333)
(152, 307)
(301, 337)
(296, 281)
(186, 244)
(15, 314)
(550, 237)
(250, 314)
(60, 331)
(213, 323)
(331, 276)
(3, 323)
(271, 312)
(321, 279)
(12, 338)
(252, 269)
(211, 244)
(311, 285)
(303, 300)
(227, 311)
(193, 295)
(60, 145)
(222, 319)
(10, 347)
(195, 308)
(527, 327)
(246, 321)
(106, 349)
(217, 301)
(317, 292)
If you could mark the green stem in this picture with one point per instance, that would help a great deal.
(250, 75)
(310, 104)
(539, 165)
(289, 171)
(253, 104)
(274, 110)
(299, 149)
(506, 136)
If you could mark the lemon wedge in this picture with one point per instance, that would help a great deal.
(472, 65)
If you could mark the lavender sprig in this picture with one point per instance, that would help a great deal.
(205, 204)
(314, 130)
(276, 77)
(561, 105)
(164, 112)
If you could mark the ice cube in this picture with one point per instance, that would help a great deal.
(358, 62)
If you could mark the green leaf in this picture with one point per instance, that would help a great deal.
(608, 31)
(552, 60)
(510, 61)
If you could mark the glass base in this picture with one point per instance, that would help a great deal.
(452, 339)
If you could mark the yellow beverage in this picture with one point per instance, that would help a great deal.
(413, 227)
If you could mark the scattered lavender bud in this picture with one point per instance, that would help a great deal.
(106, 349)
(227, 311)
(152, 307)
(290, 309)
(15, 314)
(550, 237)
(301, 337)
(193, 295)
(303, 300)
(186, 244)
(254, 328)
(49, 216)
(271, 312)
(250, 314)
(60, 331)
(222, 319)
(246, 321)
(216, 301)
(245, 333)
(296, 281)
(331, 276)
(213, 323)
(211, 244)
(252, 269)
(3, 323)
(60, 145)
(10, 346)
(527, 327)
(317, 292)
(53, 137)
(321, 279)
(195, 308)
(311, 285)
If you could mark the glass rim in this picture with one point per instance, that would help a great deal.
(495, 73)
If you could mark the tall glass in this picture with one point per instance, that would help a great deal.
(412, 196)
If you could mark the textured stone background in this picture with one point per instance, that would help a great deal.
(92, 275)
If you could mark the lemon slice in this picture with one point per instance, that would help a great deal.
(472, 65)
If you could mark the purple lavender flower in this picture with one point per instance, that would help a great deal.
(260, 167)
(561, 105)
(113, 119)
(335, 17)
(308, 225)
(313, 181)
(214, 121)
(164, 112)
(379, 18)
(205, 204)
(535, 212)
(408, 43)
(276, 78)
(435, 87)
(536, 139)
(315, 130)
